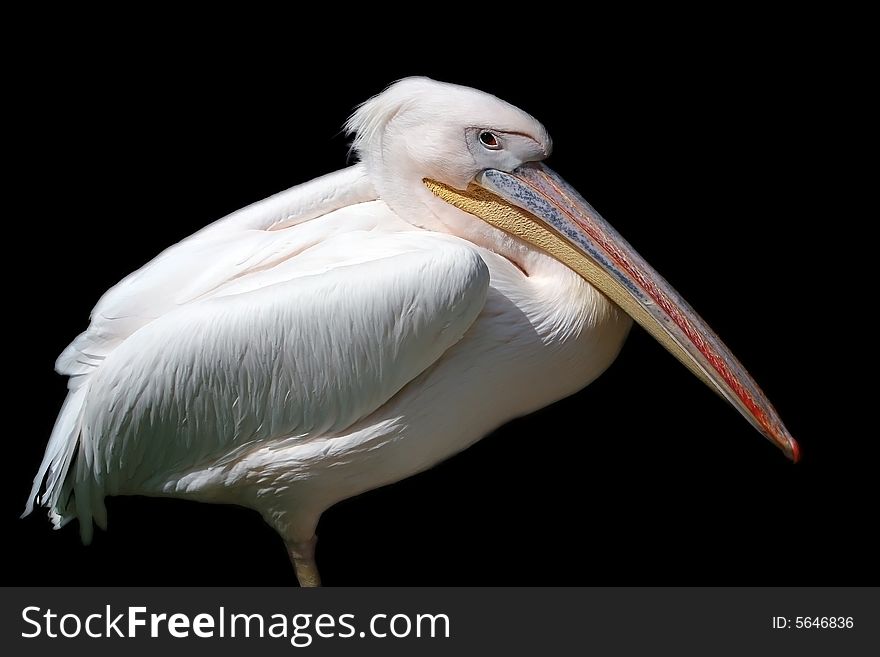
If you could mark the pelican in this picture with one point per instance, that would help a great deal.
(362, 327)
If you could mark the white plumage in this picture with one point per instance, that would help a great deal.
(336, 337)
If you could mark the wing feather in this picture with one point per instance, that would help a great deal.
(317, 328)
(304, 358)
(250, 239)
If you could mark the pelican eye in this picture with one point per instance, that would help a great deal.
(489, 140)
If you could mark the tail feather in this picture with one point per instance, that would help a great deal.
(56, 465)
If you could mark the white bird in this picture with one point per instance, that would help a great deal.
(364, 326)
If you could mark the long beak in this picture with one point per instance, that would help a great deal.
(536, 205)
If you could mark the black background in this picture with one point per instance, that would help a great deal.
(699, 146)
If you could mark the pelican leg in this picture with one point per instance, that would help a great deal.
(302, 556)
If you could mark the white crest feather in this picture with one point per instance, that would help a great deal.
(370, 117)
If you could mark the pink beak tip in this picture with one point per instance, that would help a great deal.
(795, 449)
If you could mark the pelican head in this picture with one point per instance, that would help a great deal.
(458, 160)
